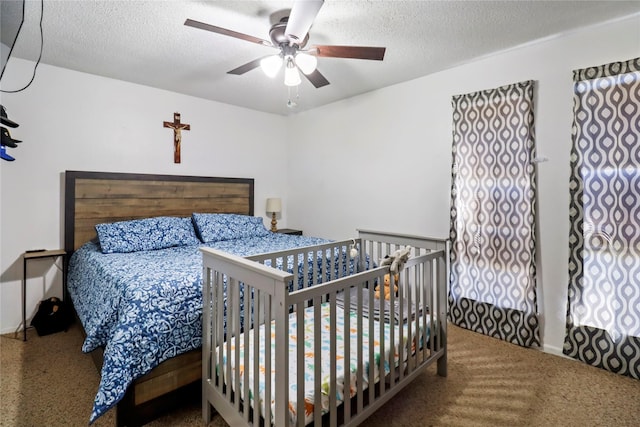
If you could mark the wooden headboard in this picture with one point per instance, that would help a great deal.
(96, 197)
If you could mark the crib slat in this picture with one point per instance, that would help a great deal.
(300, 357)
(346, 359)
(392, 340)
(428, 317)
(280, 307)
(416, 309)
(419, 308)
(248, 303)
(267, 358)
(405, 349)
(207, 347)
(220, 328)
(333, 260)
(325, 271)
(403, 353)
(257, 309)
(222, 345)
(305, 268)
(317, 264)
(371, 360)
(360, 353)
(406, 367)
(420, 320)
(333, 391)
(317, 361)
(442, 278)
(234, 308)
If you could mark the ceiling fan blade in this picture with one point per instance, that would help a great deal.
(355, 52)
(225, 32)
(303, 13)
(317, 79)
(246, 67)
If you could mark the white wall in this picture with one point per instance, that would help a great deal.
(75, 121)
(383, 160)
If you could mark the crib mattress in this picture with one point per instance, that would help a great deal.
(309, 364)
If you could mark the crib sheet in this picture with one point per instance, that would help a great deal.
(308, 365)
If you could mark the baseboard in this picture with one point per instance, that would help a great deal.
(556, 351)
(15, 330)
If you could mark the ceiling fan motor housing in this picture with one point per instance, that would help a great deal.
(279, 38)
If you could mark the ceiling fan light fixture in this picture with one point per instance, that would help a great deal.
(271, 65)
(307, 63)
(290, 36)
(291, 74)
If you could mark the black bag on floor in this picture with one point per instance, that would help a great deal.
(53, 316)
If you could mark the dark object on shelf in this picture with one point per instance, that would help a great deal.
(7, 140)
(53, 316)
(4, 155)
(5, 120)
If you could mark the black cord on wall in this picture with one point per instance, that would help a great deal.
(14, 40)
(14, 43)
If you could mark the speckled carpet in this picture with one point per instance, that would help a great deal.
(48, 381)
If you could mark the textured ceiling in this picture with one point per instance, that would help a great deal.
(146, 42)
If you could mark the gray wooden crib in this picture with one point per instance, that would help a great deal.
(298, 337)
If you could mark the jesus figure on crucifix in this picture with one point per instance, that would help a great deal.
(177, 136)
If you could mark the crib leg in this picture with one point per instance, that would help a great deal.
(207, 412)
(442, 361)
(442, 365)
(207, 409)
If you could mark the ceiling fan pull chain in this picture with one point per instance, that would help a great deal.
(293, 104)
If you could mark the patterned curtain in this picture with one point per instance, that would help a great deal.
(603, 313)
(493, 214)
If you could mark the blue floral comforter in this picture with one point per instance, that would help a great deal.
(146, 307)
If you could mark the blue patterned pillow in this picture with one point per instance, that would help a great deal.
(218, 227)
(146, 234)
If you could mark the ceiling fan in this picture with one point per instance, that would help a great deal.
(290, 37)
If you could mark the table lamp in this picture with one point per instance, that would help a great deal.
(274, 205)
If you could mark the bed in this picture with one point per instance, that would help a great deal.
(164, 374)
(297, 337)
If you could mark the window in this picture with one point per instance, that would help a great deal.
(493, 271)
(603, 314)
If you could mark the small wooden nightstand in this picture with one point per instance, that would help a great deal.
(290, 231)
(35, 255)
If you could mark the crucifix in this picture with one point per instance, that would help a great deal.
(177, 136)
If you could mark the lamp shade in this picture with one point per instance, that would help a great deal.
(274, 205)
(307, 63)
(271, 65)
(291, 76)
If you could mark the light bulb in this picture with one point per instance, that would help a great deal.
(307, 63)
(271, 65)
(291, 74)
